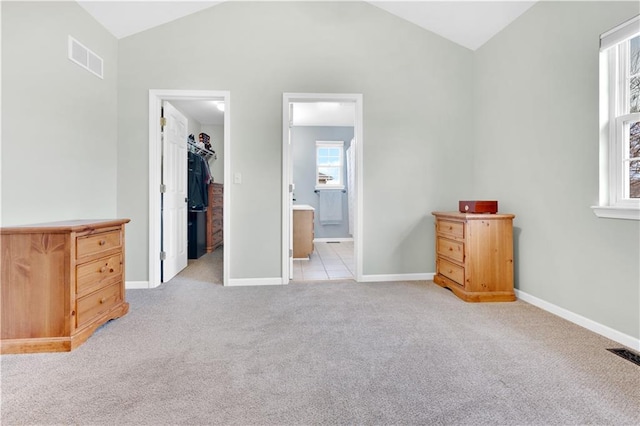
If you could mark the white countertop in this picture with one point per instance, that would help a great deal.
(302, 207)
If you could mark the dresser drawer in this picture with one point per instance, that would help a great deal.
(216, 189)
(217, 237)
(216, 223)
(94, 304)
(96, 243)
(448, 227)
(93, 275)
(451, 249)
(451, 270)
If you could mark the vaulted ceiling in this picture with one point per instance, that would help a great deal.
(467, 23)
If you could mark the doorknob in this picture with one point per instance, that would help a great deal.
(186, 200)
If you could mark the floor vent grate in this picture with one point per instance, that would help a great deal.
(626, 354)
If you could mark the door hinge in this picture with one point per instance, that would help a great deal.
(290, 252)
(290, 187)
(163, 121)
(163, 255)
(163, 188)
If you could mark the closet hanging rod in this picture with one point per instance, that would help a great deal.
(317, 191)
(201, 151)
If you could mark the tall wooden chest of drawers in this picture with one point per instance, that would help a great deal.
(60, 282)
(214, 217)
(474, 255)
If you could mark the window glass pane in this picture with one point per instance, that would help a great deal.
(634, 179)
(323, 160)
(634, 74)
(634, 140)
(634, 55)
(334, 152)
(329, 175)
(634, 94)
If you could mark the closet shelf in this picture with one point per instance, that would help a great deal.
(207, 154)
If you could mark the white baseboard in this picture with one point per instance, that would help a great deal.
(329, 240)
(237, 282)
(136, 285)
(591, 325)
(398, 277)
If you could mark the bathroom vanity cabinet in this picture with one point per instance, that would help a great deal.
(303, 233)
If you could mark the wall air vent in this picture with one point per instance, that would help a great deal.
(84, 57)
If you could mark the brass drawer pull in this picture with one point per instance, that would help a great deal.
(103, 269)
(102, 242)
(104, 299)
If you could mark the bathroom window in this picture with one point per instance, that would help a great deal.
(329, 164)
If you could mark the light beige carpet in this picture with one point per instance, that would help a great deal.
(193, 352)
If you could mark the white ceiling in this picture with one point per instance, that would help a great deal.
(204, 112)
(468, 23)
(125, 18)
(323, 114)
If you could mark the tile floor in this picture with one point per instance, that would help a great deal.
(329, 261)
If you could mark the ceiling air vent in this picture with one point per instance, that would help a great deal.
(84, 57)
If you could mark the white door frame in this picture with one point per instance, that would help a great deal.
(287, 98)
(155, 102)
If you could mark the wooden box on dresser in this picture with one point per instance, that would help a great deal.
(474, 255)
(60, 282)
(214, 217)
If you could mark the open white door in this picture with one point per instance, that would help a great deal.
(174, 197)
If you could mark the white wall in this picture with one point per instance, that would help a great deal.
(536, 151)
(59, 122)
(416, 89)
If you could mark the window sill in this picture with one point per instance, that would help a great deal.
(609, 212)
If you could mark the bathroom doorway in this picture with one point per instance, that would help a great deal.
(322, 195)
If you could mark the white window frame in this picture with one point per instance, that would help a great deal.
(330, 144)
(614, 201)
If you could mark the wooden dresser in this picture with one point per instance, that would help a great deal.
(60, 282)
(474, 255)
(214, 217)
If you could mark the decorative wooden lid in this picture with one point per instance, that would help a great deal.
(471, 216)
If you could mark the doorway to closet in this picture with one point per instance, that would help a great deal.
(322, 191)
(189, 161)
